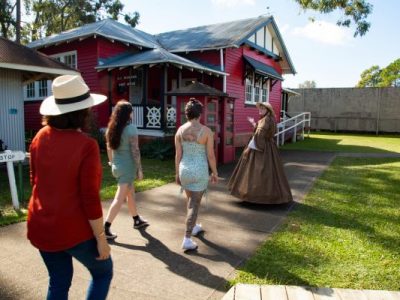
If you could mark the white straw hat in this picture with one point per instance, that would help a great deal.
(70, 93)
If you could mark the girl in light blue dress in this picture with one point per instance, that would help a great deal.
(124, 158)
(194, 144)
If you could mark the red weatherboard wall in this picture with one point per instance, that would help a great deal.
(88, 53)
(236, 87)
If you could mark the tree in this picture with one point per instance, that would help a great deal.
(354, 11)
(376, 77)
(7, 19)
(370, 77)
(54, 16)
(391, 74)
(308, 84)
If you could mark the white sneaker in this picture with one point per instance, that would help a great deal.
(188, 244)
(197, 229)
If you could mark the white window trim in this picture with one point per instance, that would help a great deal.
(260, 86)
(68, 53)
(37, 86)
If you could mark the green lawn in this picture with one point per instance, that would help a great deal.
(345, 234)
(360, 143)
(156, 173)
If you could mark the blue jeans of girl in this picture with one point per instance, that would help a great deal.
(59, 266)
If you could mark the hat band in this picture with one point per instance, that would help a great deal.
(76, 99)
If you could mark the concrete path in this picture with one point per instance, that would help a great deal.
(149, 264)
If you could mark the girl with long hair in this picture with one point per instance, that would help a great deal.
(124, 158)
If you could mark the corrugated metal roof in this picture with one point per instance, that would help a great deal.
(15, 56)
(262, 68)
(107, 28)
(154, 56)
(215, 36)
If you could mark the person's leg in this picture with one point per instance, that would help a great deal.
(131, 200)
(101, 270)
(138, 221)
(193, 205)
(59, 266)
(119, 199)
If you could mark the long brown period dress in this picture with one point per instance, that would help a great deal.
(259, 176)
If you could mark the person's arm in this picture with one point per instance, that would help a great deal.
(90, 182)
(178, 156)
(109, 154)
(211, 156)
(102, 245)
(134, 141)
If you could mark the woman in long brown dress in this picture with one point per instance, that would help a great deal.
(259, 176)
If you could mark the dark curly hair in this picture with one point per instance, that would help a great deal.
(193, 109)
(119, 118)
(72, 120)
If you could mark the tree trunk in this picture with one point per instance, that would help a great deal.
(18, 23)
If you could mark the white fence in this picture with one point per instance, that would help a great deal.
(293, 125)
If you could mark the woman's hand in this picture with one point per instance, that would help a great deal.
(177, 180)
(251, 120)
(139, 175)
(103, 247)
(214, 178)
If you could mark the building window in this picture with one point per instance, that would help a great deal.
(68, 58)
(37, 90)
(256, 90)
(43, 88)
(30, 90)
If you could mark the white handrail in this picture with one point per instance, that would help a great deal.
(300, 119)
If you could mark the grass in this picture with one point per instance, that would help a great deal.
(345, 234)
(156, 173)
(353, 143)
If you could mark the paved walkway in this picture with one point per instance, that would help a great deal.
(149, 264)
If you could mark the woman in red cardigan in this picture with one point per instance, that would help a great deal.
(65, 218)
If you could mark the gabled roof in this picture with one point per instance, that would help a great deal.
(226, 35)
(216, 36)
(18, 57)
(154, 56)
(107, 28)
(196, 89)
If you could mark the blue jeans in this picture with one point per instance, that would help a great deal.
(59, 266)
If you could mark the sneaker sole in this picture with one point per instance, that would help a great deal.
(111, 238)
(199, 232)
(190, 249)
(141, 225)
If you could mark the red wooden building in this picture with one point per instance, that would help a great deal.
(238, 63)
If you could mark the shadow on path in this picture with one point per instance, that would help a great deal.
(176, 263)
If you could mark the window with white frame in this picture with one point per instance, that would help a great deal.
(257, 88)
(37, 90)
(68, 58)
(43, 88)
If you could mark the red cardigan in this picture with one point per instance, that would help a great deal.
(65, 177)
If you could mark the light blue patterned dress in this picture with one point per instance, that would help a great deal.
(123, 166)
(193, 167)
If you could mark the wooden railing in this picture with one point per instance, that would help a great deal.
(293, 125)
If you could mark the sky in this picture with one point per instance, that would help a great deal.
(320, 50)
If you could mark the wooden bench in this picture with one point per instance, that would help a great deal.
(288, 292)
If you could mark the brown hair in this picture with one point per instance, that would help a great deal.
(118, 121)
(72, 120)
(193, 109)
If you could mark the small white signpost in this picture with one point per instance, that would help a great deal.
(9, 157)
